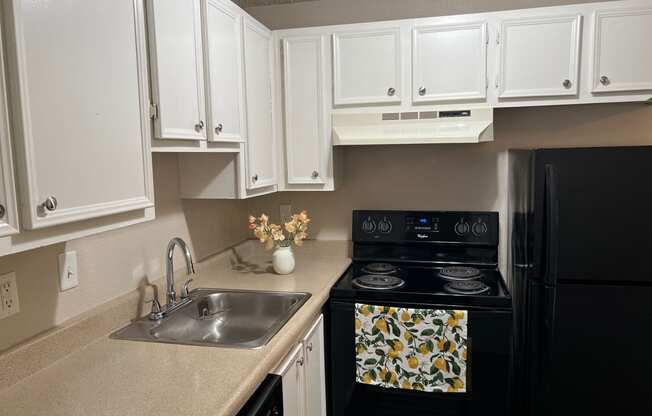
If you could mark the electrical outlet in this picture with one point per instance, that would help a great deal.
(68, 277)
(9, 304)
(285, 212)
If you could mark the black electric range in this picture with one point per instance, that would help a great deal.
(448, 258)
(431, 260)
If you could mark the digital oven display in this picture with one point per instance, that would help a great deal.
(423, 223)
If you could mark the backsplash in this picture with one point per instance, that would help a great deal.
(458, 177)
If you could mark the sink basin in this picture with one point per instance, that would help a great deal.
(220, 317)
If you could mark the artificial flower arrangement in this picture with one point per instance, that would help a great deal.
(293, 231)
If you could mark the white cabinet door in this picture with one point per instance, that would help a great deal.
(224, 72)
(449, 62)
(539, 56)
(261, 169)
(367, 67)
(622, 50)
(315, 370)
(303, 59)
(8, 208)
(177, 69)
(293, 374)
(80, 117)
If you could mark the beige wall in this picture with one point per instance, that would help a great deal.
(330, 12)
(458, 177)
(114, 263)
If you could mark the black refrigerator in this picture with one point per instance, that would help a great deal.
(580, 266)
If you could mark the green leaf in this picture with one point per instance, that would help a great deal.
(427, 332)
(370, 361)
(395, 330)
(374, 331)
(408, 324)
(456, 369)
(380, 352)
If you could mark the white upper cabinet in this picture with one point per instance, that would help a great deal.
(622, 51)
(224, 72)
(80, 119)
(8, 208)
(367, 67)
(449, 62)
(261, 162)
(539, 56)
(305, 134)
(177, 69)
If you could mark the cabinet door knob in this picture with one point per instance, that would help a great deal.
(567, 83)
(300, 362)
(314, 174)
(3, 211)
(391, 91)
(254, 178)
(604, 80)
(50, 204)
(422, 91)
(309, 347)
(199, 126)
(219, 128)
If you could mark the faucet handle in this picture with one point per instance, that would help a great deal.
(156, 312)
(186, 288)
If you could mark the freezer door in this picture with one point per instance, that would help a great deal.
(594, 214)
(596, 351)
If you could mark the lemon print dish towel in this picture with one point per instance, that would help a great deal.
(413, 349)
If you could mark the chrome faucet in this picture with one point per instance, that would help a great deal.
(169, 270)
(158, 311)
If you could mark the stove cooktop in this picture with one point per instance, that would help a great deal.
(425, 285)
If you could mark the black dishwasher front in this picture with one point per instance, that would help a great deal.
(267, 400)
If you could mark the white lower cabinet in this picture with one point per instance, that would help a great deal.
(303, 373)
(80, 118)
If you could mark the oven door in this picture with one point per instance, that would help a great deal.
(488, 377)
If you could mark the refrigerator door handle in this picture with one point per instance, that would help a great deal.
(552, 224)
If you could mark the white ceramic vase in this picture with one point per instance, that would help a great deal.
(283, 260)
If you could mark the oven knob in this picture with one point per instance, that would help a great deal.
(385, 226)
(479, 228)
(462, 227)
(369, 225)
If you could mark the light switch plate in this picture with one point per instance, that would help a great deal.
(9, 304)
(68, 277)
(285, 211)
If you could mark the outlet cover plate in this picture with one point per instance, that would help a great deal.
(68, 277)
(9, 304)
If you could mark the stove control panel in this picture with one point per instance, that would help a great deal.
(426, 226)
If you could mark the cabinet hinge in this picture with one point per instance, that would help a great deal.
(498, 37)
(497, 81)
(153, 111)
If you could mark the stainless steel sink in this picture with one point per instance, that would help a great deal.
(220, 317)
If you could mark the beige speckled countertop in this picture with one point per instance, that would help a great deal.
(102, 376)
